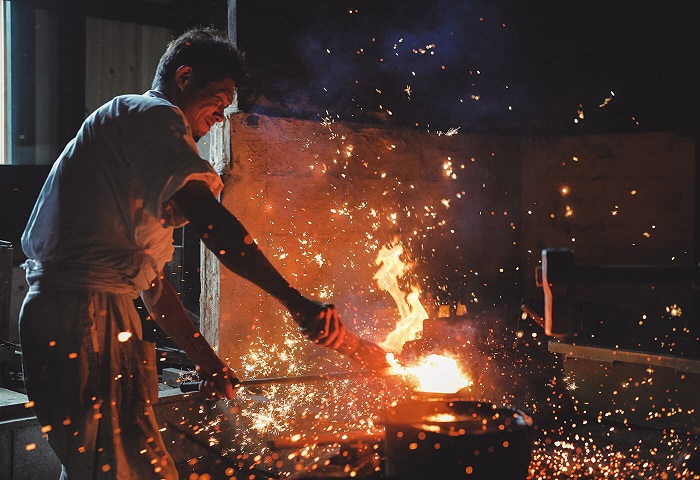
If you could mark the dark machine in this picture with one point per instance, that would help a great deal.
(620, 364)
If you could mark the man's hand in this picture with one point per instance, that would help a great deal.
(222, 383)
(228, 239)
(166, 309)
(319, 322)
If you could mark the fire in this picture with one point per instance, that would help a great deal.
(339, 405)
(433, 374)
(439, 374)
(410, 309)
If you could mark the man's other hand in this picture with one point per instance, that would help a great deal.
(222, 383)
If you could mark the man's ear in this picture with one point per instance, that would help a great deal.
(183, 75)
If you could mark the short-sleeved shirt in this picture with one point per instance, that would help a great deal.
(103, 219)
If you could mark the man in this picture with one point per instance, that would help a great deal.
(100, 234)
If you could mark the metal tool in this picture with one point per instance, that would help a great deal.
(558, 276)
(367, 354)
(188, 387)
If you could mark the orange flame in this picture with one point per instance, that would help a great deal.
(435, 373)
(411, 310)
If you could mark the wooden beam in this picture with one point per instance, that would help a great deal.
(71, 72)
(232, 23)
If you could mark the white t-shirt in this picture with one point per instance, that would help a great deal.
(102, 220)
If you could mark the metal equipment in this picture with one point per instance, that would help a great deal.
(559, 277)
(620, 365)
(188, 387)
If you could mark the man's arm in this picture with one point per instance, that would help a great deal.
(228, 239)
(166, 309)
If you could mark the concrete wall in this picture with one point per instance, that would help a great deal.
(473, 213)
(619, 188)
(630, 200)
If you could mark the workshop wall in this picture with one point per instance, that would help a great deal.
(472, 213)
(626, 199)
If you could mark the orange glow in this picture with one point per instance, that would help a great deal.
(434, 374)
(124, 336)
(441, 418)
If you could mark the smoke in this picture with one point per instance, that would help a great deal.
(410, 65)
(478, 65)
(431, 63)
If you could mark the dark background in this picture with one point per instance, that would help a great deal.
(545, 59)
(533, 65)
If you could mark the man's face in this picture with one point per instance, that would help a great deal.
(204, 106)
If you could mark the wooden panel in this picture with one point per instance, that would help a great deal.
(120, 58)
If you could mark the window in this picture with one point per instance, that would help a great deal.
(120, 57)
(61, 64)
(31, 69)
(3, 71)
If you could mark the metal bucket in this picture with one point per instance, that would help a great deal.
(457, 439)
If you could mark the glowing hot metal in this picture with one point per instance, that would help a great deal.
(433, 374)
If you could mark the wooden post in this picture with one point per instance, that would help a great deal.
(5, 288)
(232, 24)
(210, 269)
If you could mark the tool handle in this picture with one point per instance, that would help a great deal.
(368, 354)
(190, 387)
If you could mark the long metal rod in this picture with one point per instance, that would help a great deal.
(307, 378)
(300, 441)
(312, 378)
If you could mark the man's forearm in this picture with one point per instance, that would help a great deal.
(227, 238)
(169, 313)
(235, 248)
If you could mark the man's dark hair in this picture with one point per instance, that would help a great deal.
(207, 51)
